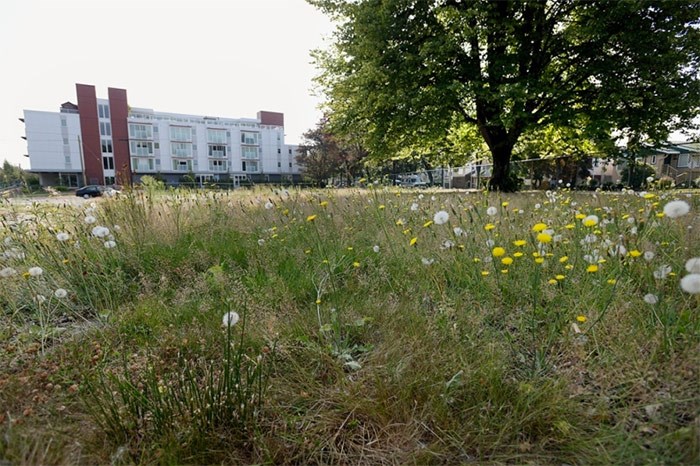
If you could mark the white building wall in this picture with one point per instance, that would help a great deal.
(51, 145)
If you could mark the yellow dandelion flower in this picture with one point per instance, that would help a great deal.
(539, 227)
(350, 248)
(275, 235)
(520, 242)
(504, 204)
(570, 226)
(26, 275)
(535, 254)
(323, 203)
(407, 231)
(649, 196)
(625, 217)
(476, 260)
(635, 253)
(580, 216)
(568, 266)
(484, 273)
(307, 251)
(507, 260)
(581, 319)
(355, 264)
(544, 238)
(563, 259)
(318, 301)
(504, 270)
(589, 223)
(489, 226)
(611, 281)
(518, 254)
(413, 241)
(560, 277)
(593, 268)
(498, 251)
(660, 215)
(428, 223)
(399, 222)
(552, 281)
(311, 218)
(539, 260)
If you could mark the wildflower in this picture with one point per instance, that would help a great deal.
(504, 204)
(261, 242)
(230, 319)
(662, 272)
(39, 299)
(593, 268)
(651, 298)
(560, 277)
(691, 283)
(356, 264)
(269, 205)
(382, 207)
(375, 248)
(60, 293)
(520, 242)
(693, 265)
(498, 251)
(590, 221)
(413, 241)
(484, 273)
(414, 207)
(318, 301)
(539, 227)
(427, 261)
(458, 231)
(323, 203)
(539, 260)
(311, 218)
(447, 244)
(490, 243)
(441, 217)
(90, 219)
(581, 319)
(538, 206)
(552, 281)
(518, 254)
(7, 272)
(491, 211)
(489, 226)
(635, 253)
(507, 260)
(676, 209)
(648, 255)
(110, 244)
(544, 238)
(100, 232)
(35, 271)
(62, 236)
(427, 224)
(563, 259)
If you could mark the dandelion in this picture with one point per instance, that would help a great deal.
(544, 238)
(611, 281)
(538, 206)
(311, 218)
(458, 231)
(427, 261)
(441, 217)
(413, 241)
(261, 242)
(39, 299)
(489, 226)
(593, 268)
(230, 319)
(491, 211)
(447, 244)
(110, 244)
(635, 253)
(539, 260)
(662, 272)
(7, 272)
(518, 254)
(269, 205)
(676, 209)
(356, 264)
(520, 242)
(35, 271)
(60, 293)
(648, 255)
(691, 283)
(581, 319)
(484, 273)
(90, 219)
(560, 277)
(100, 232)
(507, 260)
(414, 207)
(563, 259)
(590, 221)
(539, 227)
(693, 265)
(428, 223)
(490, 243)
(498, 252)
(552, 281)
(651, 298)
(62, 236)
(375, 248)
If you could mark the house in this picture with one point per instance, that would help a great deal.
(678, 161)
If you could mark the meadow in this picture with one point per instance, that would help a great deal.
(359, 326)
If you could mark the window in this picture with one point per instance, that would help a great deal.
(109, 180)
(64, 122)
(218, 165)
(140, 131)
(105, 128)
(108, 163)
(249, 166)
(103, 110)
(250, 138)
(140, 148)
(106, 146)
(290, 164)
(279, 164)
(156, 145)
(216, 136)
(249, 152)
(683, 160)
(653, 160)
(180, 133)
(279, 151)
(142, 164)
(290, 151)
(65, 140)
(182, 165)
(217, 151)
(181, 149)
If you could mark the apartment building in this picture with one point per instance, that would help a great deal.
(107, 141)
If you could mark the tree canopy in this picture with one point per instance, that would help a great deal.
(408, 72)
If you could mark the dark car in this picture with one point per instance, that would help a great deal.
(90, 191)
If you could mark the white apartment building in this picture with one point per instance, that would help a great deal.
(106, 141)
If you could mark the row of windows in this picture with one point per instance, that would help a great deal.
(146, 116)
(147, 164)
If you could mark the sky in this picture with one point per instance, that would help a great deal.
(225, 58)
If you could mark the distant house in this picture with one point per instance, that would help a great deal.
(605, 171)
(678, 161)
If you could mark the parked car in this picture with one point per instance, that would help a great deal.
(95, 191)
(412, 181)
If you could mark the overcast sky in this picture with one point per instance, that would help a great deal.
(227, 58)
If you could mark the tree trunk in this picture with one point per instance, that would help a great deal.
(501, 179)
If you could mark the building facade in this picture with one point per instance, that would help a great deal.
(106, 142)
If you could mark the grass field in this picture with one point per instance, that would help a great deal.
(371, 326)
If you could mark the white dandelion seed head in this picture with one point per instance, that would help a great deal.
(62, 236)
(441, 217)
(651, 298)
(458, 231)
(538, 206)
(90, 219)
(433, 198)
(521, 211)
(662, 272)
(110, 244)
(691, 283)
(557, 238)
(490, 243)
(631, 220)
(693, 265)
(414, 207)
(491, 211)
(39, 299)
(261, 242)
(230, 319)
(269, 205)
(426, 261)
(7, 272)
(60, 293)
(100, 231)
(650, 179)
(447, 244)
(649, 255)
(675, 209)
(589, 239)
(35, 271)
(420, 196)
(633, 231)
(375, 248)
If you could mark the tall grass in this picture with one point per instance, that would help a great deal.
(407, 326)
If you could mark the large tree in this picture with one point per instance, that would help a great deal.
(402, 72)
